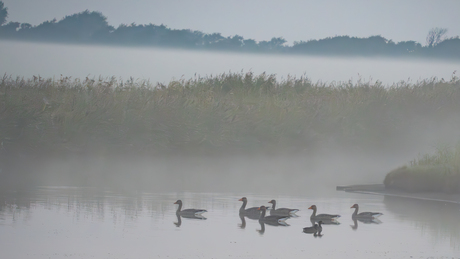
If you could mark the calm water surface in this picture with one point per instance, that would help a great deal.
(161, 65)
(64, 222)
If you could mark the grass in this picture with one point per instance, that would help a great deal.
(438, 172)
(237, 111)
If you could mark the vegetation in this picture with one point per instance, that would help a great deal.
(438, 172)
(92, 28)
(239, 111)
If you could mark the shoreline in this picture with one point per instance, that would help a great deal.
(379, 189)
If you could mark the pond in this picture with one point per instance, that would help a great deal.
(74, 222)
(162, 65)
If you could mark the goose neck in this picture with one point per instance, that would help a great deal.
(314, 212)
(262, 214)
(243, 206)
(179, 207)
(356, 212)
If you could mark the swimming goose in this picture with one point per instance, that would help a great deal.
(364, 215)
(311, 230)
(254, 211)
(315, 229)
(187, 212)
(321, 216)
(281, 211)
(272, 219)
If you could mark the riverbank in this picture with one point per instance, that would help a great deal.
(379, 189)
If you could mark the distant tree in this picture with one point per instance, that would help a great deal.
(82, 26)
(435, 36)
(3, 13)
(214, 38)
(25, 26)
(250, 45)
(8, 30)
(448, 48)
(273, 44)
(407, 46)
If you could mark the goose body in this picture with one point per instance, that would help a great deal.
(327, 217)
(188, 212)
(311, 230)
(281, 211)
(252, 213)
(364, 215)
(315, 229)
(272, 219)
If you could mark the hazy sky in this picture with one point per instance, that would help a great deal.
(262, 19)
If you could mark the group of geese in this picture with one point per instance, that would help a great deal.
(278, 216)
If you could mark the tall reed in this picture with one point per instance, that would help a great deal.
(234, 111)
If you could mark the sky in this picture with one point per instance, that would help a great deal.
(294, 20)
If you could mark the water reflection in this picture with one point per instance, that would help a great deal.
(262, 228)
(80, 219)
(179, 218)
(272, 220)
(243, 222)
(365, 221)
(438, 219)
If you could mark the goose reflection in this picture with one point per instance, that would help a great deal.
(272, 220)
(179, 218)
(365, 221)
(243, 222)
(262, 228)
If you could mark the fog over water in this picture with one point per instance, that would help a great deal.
(163, 65)
(122, 206)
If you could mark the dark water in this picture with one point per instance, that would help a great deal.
(64, 222)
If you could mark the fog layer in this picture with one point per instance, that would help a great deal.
(431, 123)
(160, 65)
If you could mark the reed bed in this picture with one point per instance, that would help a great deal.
(438, 172)
(234, 112)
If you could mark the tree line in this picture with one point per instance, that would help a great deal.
(89, 27)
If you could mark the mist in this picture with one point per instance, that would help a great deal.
(325, 165)
(163, 65)
(87, 191)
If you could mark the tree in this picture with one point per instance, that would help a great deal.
(9, 29)
(435, 36)
(3, 13)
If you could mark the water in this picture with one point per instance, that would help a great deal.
(61, 222)
(160, 65)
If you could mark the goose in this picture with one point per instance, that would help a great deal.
(272, 219)
(364, 215)
(188, 212)
(315, 229)
(254, 211)
(328, 217)
(281, 211)
(311, 230)
(325, 221)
